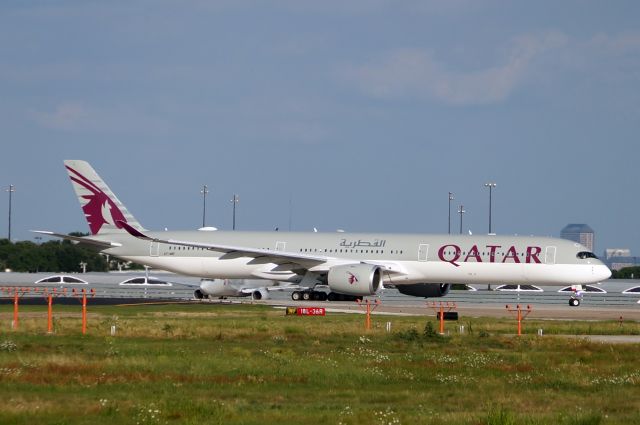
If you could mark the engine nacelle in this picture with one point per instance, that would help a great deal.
(426, 290)
(355, 279)
(198, 294)
(260, 294)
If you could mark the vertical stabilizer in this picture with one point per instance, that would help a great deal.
(100, 206)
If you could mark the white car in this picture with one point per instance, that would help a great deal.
(519, 288)
(61, 280)
(145, 281)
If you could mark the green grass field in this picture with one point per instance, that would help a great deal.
(220, 364)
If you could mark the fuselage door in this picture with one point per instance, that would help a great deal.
(550, 255)
(281, 246)
(154, 249)
(423, 251)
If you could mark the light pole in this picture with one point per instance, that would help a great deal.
(235, 200)
(290, 209)
(450, 199)
(490, 185)
(204, 192)
(461, 211)
(11, 189)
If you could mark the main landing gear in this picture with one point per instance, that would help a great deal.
(574, 302)
(322, 296)
(309, 296)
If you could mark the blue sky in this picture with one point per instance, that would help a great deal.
(362, 115)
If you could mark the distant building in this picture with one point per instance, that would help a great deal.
(619, 258)
(618, 263)
(580, 233)
(616, 252)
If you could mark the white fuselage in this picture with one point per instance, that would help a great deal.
(407, 259)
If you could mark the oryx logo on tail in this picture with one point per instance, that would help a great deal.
(102, 209)
(99, 208)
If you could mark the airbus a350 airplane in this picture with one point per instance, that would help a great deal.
(352, 264)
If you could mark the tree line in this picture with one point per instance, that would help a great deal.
(54, 256)
(626, 273)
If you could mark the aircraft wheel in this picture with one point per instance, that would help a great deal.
(574, 302)
(295, 295)
(306, 295)
(331, 296)
(322, 296)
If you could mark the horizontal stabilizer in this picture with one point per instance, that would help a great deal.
(80, 239)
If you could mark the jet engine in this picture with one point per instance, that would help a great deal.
(426, 290)
(355, 279)
(260, 294)
(199, 294)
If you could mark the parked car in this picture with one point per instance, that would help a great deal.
(145, 281)
(62, 279)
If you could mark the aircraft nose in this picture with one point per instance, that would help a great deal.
(601, 272)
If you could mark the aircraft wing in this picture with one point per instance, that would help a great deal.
(304, 260)
(80, 239)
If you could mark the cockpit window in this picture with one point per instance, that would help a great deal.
(583, 255)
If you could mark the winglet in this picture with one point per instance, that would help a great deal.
(132, 230)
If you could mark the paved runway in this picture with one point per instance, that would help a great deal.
(471, 309)
(482, 303)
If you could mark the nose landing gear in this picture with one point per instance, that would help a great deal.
(575, 299)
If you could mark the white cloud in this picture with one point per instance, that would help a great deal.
(416, 73)
(78, 116)
(305, 132)
(65, 116)
(618, 43)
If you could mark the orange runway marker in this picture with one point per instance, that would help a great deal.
(519, 315)
(367, 305)
(440, 314)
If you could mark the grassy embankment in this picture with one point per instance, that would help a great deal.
(252, 365)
